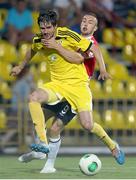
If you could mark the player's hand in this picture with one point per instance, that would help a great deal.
(16, 71)
(104, 75)
(50, 43)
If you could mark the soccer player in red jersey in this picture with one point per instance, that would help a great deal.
(88, 27)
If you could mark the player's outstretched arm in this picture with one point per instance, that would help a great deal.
(70, 56)
(98, 55)
(18, 69)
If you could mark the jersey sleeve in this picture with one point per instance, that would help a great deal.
(94, 40)
(84, 44)
(75, 40)
(37, 45)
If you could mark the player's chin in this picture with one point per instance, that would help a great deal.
(85, 33)
(47, 37)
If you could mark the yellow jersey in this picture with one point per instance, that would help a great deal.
(61, 70)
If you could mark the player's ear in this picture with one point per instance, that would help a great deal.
(95, 29)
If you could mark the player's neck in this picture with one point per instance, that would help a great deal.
(88, 35)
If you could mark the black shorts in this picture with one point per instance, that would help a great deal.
(62, 111)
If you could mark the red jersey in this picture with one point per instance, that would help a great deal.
(90, 62)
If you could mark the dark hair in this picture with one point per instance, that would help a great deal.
(48, 16)
(91, 14)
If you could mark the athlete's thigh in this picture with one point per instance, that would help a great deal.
(44, 96)
(39, 95)
(57, 126)
(86, 119)
(52, 90)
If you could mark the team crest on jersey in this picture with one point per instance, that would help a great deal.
(53, 57)
(60, 41)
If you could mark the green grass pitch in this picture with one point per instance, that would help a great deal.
(67, 168)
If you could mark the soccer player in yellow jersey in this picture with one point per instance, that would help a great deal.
(68, 76)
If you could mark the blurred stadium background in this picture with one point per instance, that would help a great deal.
(114, 100)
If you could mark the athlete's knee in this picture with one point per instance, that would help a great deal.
(38, 96)
(33, 97)
(86, 120)
(54, 130)
(88, 125)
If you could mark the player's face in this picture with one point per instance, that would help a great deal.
(88, 25)
(47, 30)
